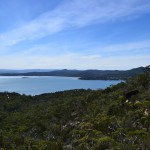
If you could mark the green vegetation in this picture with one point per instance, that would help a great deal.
(78, 119)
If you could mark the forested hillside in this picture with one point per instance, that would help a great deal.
(116, 118)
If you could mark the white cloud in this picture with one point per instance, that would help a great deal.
(137, 46)
(74, 14)
(42, 56)
(74, 61)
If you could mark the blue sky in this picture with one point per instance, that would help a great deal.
(74, 34)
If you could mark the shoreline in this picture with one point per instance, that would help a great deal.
(79, 78)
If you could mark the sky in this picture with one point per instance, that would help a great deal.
(74, 34)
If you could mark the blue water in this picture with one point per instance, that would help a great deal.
(39, 85)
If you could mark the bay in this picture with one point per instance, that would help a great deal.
(38, 85)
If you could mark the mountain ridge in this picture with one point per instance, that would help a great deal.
(89, 74)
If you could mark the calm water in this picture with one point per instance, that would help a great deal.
(39, 85)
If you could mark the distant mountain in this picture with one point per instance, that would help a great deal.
(25, 70)
(110, 74)
(82, 74)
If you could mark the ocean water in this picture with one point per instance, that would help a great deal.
(38, 85)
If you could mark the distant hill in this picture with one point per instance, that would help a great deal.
(82, 74)
(111, 74)
(24, 70)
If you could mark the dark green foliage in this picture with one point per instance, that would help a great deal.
(78, 119)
